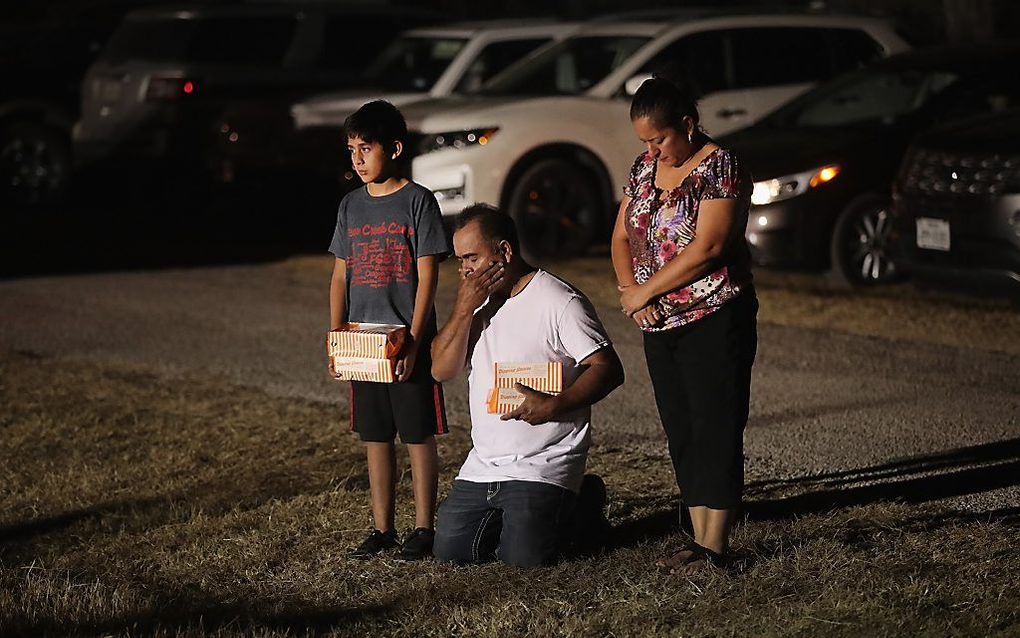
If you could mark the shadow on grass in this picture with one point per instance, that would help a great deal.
(26, 530)
(914, 480)
(208, 617)
(663, 520)
(24, 541)
(919, 479)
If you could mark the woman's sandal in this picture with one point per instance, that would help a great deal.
(690, 558)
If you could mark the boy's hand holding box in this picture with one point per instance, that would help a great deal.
(545, 377)
(366, 351)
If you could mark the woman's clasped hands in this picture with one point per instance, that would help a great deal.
(636, 303)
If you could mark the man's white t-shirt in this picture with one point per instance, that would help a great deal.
(546, 321)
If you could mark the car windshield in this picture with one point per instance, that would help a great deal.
(414, 63)
(568, 68)
(214, 40)
(880, 98)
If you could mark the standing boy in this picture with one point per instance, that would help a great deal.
(388, 243)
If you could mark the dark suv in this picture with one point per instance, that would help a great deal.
(824, 164)
(159, 84)
(42, 61)
(956, 207)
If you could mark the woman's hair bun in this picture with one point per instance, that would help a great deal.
(667, 98)
(678, 79)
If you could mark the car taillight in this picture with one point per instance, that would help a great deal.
(170, 89)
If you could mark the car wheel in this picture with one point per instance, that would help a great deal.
(35, 165)
(862, 246)
(557, 208)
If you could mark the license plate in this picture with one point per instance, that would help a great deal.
(932, 234)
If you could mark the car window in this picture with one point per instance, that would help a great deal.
(851, 49)
(989, 92)
(881, 97)
(350, 42)
(157, 40)
(257, 40)
(493, 59)
(777, 56)
(572, 67)
(261, 40)
(414, 63)
(701, 58)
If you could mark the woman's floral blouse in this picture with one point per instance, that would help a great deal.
(660, 225)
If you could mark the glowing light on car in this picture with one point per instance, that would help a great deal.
(457, 139)
(787, 186)
(827, 174)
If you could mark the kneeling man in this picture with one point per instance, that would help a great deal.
(517, 495)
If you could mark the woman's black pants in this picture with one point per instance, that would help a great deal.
(701, 374)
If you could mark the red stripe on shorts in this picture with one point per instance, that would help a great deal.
(351, 408)
(437, 392)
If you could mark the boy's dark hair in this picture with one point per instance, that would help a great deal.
(378, 121)
(666, 99)
(496, 226)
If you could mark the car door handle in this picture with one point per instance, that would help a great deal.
(728, 113)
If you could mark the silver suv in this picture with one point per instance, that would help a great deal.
(157, 87)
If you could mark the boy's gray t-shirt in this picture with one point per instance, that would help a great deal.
(381, 239)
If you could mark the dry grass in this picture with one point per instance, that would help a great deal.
(139, 505)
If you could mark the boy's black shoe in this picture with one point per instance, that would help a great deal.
(418, 544)
(376, 542)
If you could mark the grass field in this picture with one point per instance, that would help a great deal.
(134, 504)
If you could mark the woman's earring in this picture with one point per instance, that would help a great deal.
(690, 137)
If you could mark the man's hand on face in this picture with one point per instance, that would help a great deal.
(538, 407)
(476, 287)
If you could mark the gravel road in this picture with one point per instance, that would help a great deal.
(833, 410)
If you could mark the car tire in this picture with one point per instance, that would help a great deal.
(35, 165)
(557, 208)
(862, 250)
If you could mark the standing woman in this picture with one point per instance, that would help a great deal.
(684, 271)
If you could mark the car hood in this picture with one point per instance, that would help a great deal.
(773, 152)
(996, 133)
(466, 112)
(332, 109)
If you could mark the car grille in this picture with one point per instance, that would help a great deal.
(944, 172)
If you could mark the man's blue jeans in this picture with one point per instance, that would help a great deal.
(521, 523)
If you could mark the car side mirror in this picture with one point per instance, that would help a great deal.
(631, 86)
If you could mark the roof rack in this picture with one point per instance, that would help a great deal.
(695, 12)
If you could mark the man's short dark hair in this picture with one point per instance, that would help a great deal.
(496, 226)
(378, 121)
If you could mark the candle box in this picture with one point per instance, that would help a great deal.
(366, 351)
(545, 377)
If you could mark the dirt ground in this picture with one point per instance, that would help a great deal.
(175, 462)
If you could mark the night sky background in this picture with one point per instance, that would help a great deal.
(922, 21)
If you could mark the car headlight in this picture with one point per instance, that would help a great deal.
(787, 186)
(457, 139)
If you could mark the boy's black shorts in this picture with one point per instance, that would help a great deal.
(414, 408)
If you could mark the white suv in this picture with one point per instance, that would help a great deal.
(433, 63)
(550, 139)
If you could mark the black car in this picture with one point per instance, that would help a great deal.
(824, 164)
(956, 205)
(155, 93)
